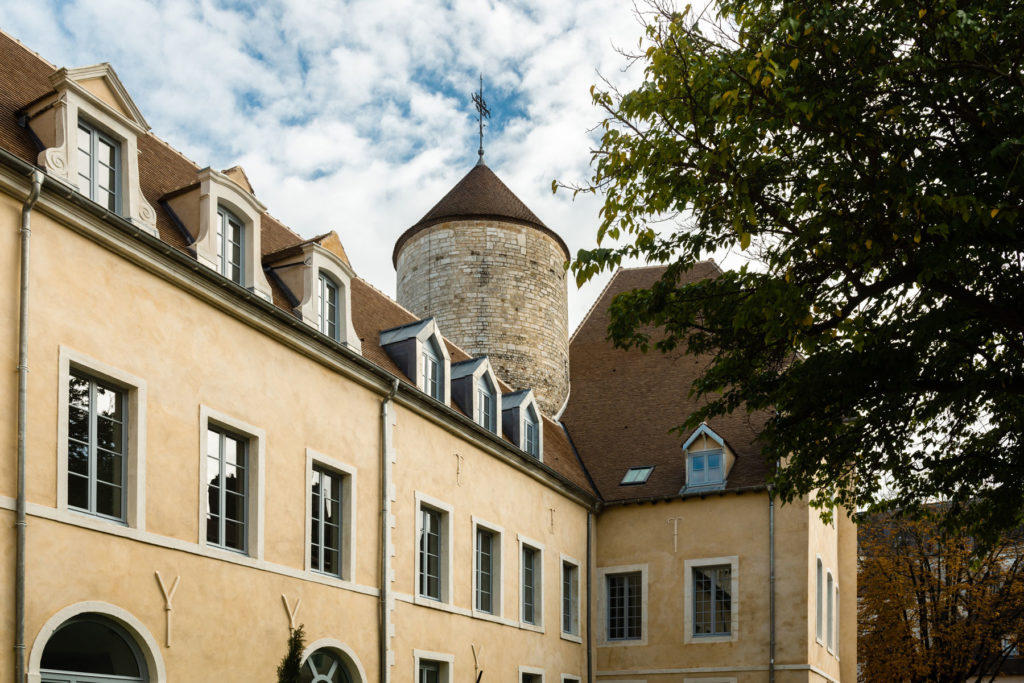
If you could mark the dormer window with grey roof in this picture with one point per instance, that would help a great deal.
(520, 418)
(708, 459)
(420, 353)
(475, 391)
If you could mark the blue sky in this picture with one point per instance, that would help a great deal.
(355, 115)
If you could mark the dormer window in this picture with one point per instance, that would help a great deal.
(531, 442)
(99, 167)
(230, 246)
(89, 129)
(430, 382)
(708, 459)
(487, 402)
(521, 421)
(420, 353)
(475, 391)
(327, 305)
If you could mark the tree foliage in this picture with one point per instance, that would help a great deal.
(930, 610)
(867, 158)
(290, 668)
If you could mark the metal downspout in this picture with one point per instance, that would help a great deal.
(771, 585)
(384, 613)
(20, 525)
(590, 588)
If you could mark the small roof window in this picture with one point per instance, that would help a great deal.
(637, 475)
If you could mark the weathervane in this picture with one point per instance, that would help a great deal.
(482, 112)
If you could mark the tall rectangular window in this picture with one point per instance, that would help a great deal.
(570, 598)
(230, 246)
(99, 167)
(624, 606)
(484, 570)
(430, 672)
(328, 306)
(819, 602)
(531, 584)
(828, 622)
(227, 489)
(431, 374)
(97, 430)
(712, 600)
(326, 522)
(430, 553)
(531, 442)
(487, 396)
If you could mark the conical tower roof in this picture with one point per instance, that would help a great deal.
(480, 195)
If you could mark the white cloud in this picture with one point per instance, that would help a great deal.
(355, 116)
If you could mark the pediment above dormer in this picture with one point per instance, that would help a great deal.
(100, 83)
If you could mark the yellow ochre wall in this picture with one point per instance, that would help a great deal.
(229, 620)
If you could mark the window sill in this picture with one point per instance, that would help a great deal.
(536, 628)
(718, 638)
(489, 616)
(571, 637)
(622, 642)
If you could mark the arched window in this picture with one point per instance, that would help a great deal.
(92, 649)
(324, 666)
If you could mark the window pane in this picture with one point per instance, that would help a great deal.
(90, 645)
(108, 500)
(78, 459)
(78, 492)
(78, 424)
(234, 535)
(108, 434)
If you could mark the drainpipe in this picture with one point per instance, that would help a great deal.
(19, 575)
(384, 615)
(590, 623)
(771, 585)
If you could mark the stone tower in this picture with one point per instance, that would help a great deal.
(492, 275)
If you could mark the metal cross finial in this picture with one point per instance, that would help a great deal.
(482, 112)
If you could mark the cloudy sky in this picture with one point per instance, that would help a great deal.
(355, 115)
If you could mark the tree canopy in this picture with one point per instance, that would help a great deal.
(930, 610)
(867, 158)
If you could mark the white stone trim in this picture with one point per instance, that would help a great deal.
(447, 662)
(256, 484)
(305, 284)
(536, 670)
(570, 678)
(688, 567)
(135, 458)
(447, 512)
(497, 565)
(347, 654)
(819, 600)
(601, 628)
(538, 590)
(349, 526)
(712, 670)
(145, 641)
(562, 560)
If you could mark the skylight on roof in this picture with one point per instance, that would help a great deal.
(637, 475)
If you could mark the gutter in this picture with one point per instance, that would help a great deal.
(384, 612)
(20, 523)
(771, 584)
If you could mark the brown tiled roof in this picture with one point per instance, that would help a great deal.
(623, 404)
(480, 195)
(24, 77)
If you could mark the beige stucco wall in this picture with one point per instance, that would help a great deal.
(191, 354)
(727, 526)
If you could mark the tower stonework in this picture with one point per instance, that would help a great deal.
(492, 275)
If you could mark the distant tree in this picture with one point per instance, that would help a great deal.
(868, 159)
(290, 668)
(930, 610)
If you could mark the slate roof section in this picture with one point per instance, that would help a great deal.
(24, 77)
(480, 195)
(623, 405)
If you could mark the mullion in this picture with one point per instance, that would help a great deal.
(93, 438)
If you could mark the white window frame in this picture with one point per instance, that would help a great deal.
(538, 588)
(226, 219)
(134, 484)
(349, 479)
(481, 393)
(819, 603)
(574, 636)
(692, 455)
(445, 661)
(325, 285)
(602, 605)
(446, 512)
(257, 439)
(734, 598)
(836, 627)
(829, 611)
(497, 597)
(570, 678)
(532, 671)
(96, 134)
